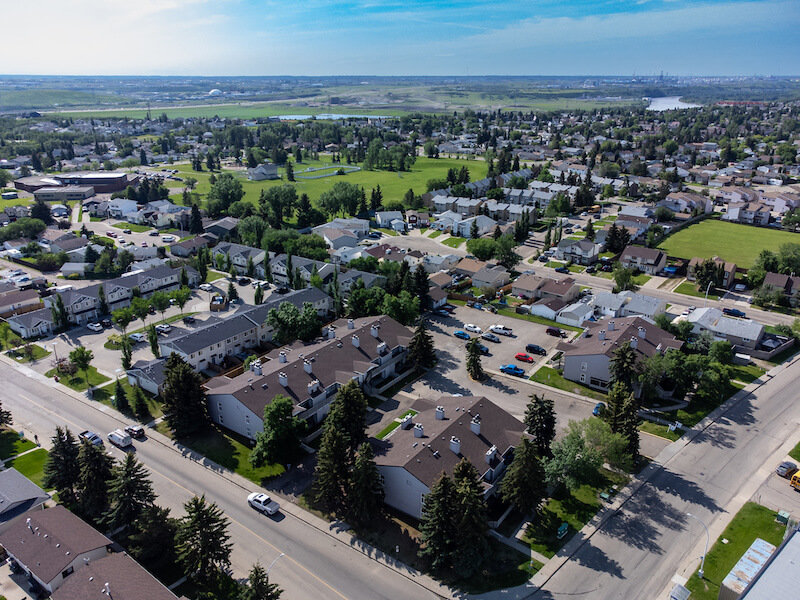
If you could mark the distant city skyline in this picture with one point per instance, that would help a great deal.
(414, 37)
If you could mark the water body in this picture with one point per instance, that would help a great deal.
(669, 103)
(330, 117)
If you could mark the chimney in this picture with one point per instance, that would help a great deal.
(283, 379)
(382, 349)
(331, 332)
(255, 367)
(356, 343)
(440, 413)
(634, 342)
(601, 335)
(407, 421)
(642, 332)
(312, 387)
(307, 366)
(490, 454)
(475, 424)
(374, 330)
(282, 356)
(611, 325)
(419, 430)
(350, 324)
(455, 445)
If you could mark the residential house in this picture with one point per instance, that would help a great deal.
(114, 577)
(789, 285)
(728, 270)
(565, 289)
(32, 324)
(749, 213)
(18, 494)
(358, 226)
(370, 350)
(636, 226)
(241, 257)
(587, 359)
(467, 267)
(148, 375)
(120, 208)
(51, 545)
(744, 334)
(390, 219)
(447, 221)
(493, 276)
(647, 260)
(575, 314)
(188, 247)
(485, 225)
(305, 266)
(343, 256)
(433, 441)
(526, 286)
(60, 211)
(441, 279)
(687, 202)
(223, 228)
(417, 219)
(582, 252)
(263, 171)
(627, 304)
(338, 238)
(547, 307)
(216, 339)
(19, 301)
(348, 278)
(439, 262)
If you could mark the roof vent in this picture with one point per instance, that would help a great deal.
(634, 342)
(601, 335)
(611, 325)
(331, 332)
(283, 379)
(455, 445)
(351, 324)
(382, 348)
(440, 413)
(419, 430)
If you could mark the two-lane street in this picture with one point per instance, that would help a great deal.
(315, 565)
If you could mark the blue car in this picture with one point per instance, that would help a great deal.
(599, 409)
(734, 312)
(481, 348)
(461, 334)
(512, 370)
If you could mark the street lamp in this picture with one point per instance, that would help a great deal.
(708, 287)
(702, 558)
(274, 561)
(55, 351)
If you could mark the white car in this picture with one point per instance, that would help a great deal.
(168, 238)
(263, 503)
(501, 329)
(94, 327)
(206, 287)
(138, 337)
(472, 327)
(163, 328)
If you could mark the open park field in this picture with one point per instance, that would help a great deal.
(730, 241)
(393, 184)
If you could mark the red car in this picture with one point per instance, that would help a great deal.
(524, 357)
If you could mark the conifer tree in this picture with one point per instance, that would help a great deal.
(421, 351)
(474, 366)
(120, 400)
(437, 526)
(61, 471)
(92, 487)
(202, 542)
(332, 471)
(185, 408)
(540, 422)
(365, 493)
(258, 586)
(471, 541)
(152, 541)
(524, 483)
(130, 493)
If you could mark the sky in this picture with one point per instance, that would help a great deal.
(409, 37)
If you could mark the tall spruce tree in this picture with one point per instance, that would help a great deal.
(196, 221)
(258, 586)
(152, 541)
(422, 287)
(279, 442)
(624, 366)
(130, 493)
(474, 366)
(92, 488)
(185, 408)
(630, 426)
(120, 399)
(540, 423)
(332, 472)
(202, 542)
(348, 413)
(471, 541)
(365, 492)
(61, 470)
(524, 483)
(421, 352)
(440, 512)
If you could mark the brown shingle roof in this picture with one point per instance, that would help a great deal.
(428, 456)
(53, 540)
(616, 332)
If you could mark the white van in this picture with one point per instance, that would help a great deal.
(119, 438)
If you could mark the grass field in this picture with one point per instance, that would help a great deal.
(133, 227)
(31, 465)
(730, 241)
(687, 288)
(105, 393)
(751, 522)
(551, 377)
(38, 353)
(393, 184)
(11, 444)
(77, 381)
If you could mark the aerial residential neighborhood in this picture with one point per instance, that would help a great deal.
(514, 315)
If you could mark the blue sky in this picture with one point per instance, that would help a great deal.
(412, 37)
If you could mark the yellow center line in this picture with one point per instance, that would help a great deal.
(240, 524)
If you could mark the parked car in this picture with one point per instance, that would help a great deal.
(734, 312)
(472, 327)
(94, 327)
(206, 287)
(106, 323)
(502, 330)
(126, 231)
(91, 437)
(740, 287)
(491, 337)
(524, 357)
(189, 319)
(786, 469)
(135, 431)
(481, 348)
(144, 244)
(543, 258)
(120, 439)
(461, 334)
(111, 234)
(591, 269)
(138, 337)
(512, 370)
(163, 328)
(375, 235)
(607, 268)
(554, 331)
(153, 233)
(243, 281)
(263, 503)
(599, 409)
(491, 309)
(535, 349)
(449, 307)
(561, 270)
(441, 312)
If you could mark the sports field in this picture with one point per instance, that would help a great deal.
(730, 241)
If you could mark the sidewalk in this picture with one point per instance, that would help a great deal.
(336, 530)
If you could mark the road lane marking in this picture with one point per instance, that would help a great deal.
(239, 523)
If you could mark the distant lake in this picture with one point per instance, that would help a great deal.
(330, 117)
(669, 103)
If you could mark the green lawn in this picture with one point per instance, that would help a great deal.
(730, 241)
(454, 241)
(551, 377)
(795, 453)
(659, 430)
(508, 312)
(232, 452)
(38, 354)
(751, 522)
(699, 408)
(393, 425)
(435, 233)
(690, 289)
(386, 231)
(104, 395)
(214, 275)
(11, 444)
(9, 339)
(31, 465)
(575, 508)
(640, 279)
(78, 381)
(133, 227)
(746, 373)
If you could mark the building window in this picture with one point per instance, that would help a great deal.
(584, 366)
(67, 572)
(583, 377)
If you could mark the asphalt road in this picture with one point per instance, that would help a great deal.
(315, 565)
(637, 551)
